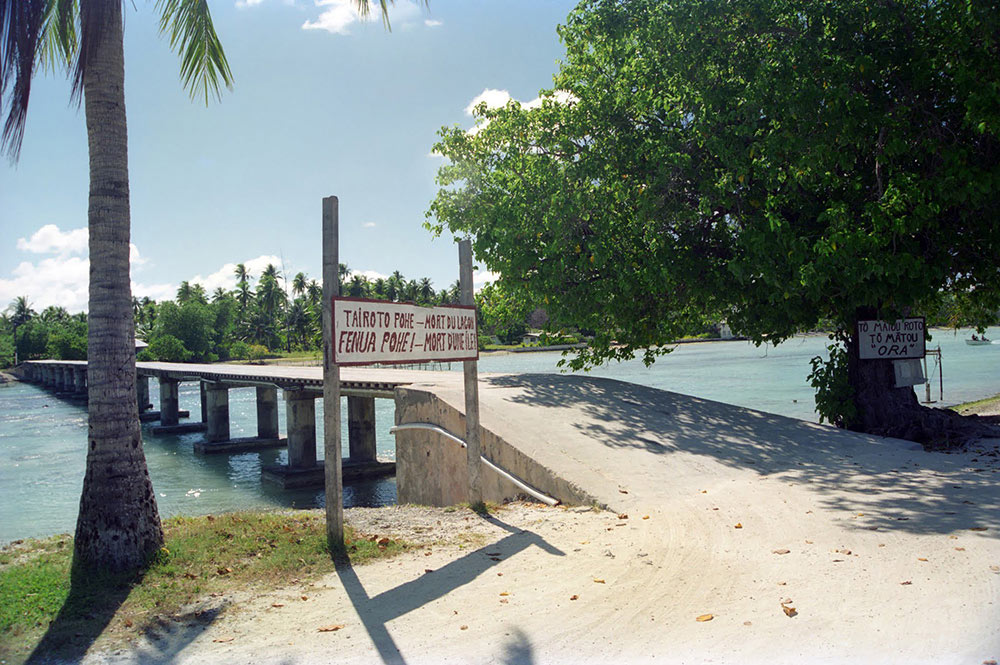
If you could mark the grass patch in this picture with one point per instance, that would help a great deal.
(202, 557)
(978, 405)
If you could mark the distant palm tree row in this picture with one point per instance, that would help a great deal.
(274, 314)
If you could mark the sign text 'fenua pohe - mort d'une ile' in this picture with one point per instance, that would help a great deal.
(376, 331)
(891, 340)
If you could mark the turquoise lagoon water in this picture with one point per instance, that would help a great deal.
(42, 437)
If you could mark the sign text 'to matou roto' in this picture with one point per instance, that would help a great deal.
(376, 331)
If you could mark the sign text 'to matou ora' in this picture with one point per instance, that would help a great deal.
(891, 340)
(376, 331)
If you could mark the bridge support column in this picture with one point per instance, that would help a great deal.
(169, 401)
(300, 415)
(218, 441)
(215, 401)
(170, 412)
(80, 381)
(361, 429)
(267, 412)
(142, 393)
(203, 397)
(64, 376)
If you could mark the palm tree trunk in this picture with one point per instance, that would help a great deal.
(118, 526)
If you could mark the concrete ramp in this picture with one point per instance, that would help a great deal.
(887, 553)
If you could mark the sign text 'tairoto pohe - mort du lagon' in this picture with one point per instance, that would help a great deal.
(891, 340)
(375, 331)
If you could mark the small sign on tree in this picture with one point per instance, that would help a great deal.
(891, 340)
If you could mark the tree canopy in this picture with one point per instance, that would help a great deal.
(767, 163)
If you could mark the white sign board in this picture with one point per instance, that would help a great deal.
(376, 331)
(891, 340)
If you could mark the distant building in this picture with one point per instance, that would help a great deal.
(530, 338)
(724, 331)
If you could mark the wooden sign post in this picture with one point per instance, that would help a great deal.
(471, 369)
(331, 380)
(358, 331)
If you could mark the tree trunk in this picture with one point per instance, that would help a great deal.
(118, 527)
(885, 410)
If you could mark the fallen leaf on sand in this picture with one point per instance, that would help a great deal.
(739, 525)
(622, 491)
(781, 551)
(995, 569)
(645, 517)
(705, 617)
(504, 593)
(227, 638)
(304, 597)
(463, 628)
(623, 516)
(574, 597)
(788, 610)
(384, 541)
(128, 623)
(277, 604)
(332, 628)
(920, 558)
(844, 551)
(428, 570)
(959, 549)
(597, 580)
(906, 583)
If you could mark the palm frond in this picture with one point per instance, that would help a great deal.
(193, 37)
(364, 8)
(59, 38)
(21, 23)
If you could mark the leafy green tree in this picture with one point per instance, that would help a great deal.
(766, 163)
(67, 340)
(192, 323)
(167, 348)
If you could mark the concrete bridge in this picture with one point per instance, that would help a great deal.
(301, 387)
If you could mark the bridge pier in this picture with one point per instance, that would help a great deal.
(66, 382)
(216, 407)
(303, 470)
(80, 381)
(142, 393)
(361, 429)
(170, 412)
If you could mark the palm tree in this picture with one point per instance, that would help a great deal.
(426, 290)
(299, 284)
(118, 526)
(20, 313)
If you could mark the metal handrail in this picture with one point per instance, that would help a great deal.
(544, 498)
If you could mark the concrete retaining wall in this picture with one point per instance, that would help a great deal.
(433, 470)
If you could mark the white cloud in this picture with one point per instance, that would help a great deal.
(370, 275)
(50, 240)
(62, 278)
(368, 225)
(494, 99)
(339, 15)
(243, 4)
(431, 23)
(498, 98)
(481, 278)
(225, 277)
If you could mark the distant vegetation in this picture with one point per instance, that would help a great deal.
(267, 320)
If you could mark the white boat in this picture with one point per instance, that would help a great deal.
(978, 342)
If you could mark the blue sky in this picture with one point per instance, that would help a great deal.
(322, 104)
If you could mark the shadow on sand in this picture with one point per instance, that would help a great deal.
(88, 611)
(894, 483)
(377, 611)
